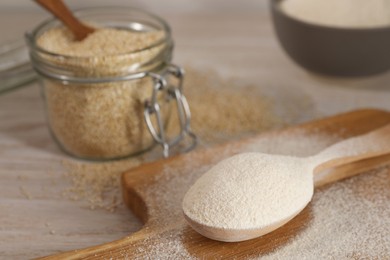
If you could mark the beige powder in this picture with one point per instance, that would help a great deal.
(349, 219)
(97, 183)
(250, 191)
(225, 109)
(250, 113)
(255, 190)
(340, 13)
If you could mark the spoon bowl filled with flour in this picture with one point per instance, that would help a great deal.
(335, 37)
(246, 191)
(251, 194)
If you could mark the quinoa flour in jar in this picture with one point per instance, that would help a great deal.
(107, 96)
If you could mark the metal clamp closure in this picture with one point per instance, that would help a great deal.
(152, 108)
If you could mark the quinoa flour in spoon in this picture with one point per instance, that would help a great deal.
(251, 194)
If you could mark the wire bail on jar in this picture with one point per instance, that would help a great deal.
(152, 107)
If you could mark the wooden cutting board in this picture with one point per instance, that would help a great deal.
(154, 192)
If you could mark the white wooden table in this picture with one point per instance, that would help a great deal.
(36, 220)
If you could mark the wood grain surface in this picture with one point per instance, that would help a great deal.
(36, 220)
(139, 183)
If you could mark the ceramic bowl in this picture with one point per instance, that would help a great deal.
(330, 50)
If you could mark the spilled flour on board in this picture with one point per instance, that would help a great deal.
(163, 246)
(350, 219)
(166, 219)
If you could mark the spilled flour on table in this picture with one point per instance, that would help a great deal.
(97, 183)
(349, 219)
(221, 110)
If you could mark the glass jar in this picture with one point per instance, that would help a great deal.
(15, 68)
(110, 106)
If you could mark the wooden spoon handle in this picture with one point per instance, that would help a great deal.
(351, 169)
(373, 144)
(59, 9)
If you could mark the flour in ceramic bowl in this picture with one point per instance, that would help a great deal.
(340, 13)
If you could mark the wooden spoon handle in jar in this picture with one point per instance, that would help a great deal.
(59, 10)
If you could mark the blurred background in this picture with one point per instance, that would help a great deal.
(183, 5)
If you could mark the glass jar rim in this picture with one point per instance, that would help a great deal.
(31, 36)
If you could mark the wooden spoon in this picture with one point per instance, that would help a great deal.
(223, 206)
(59, 10)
